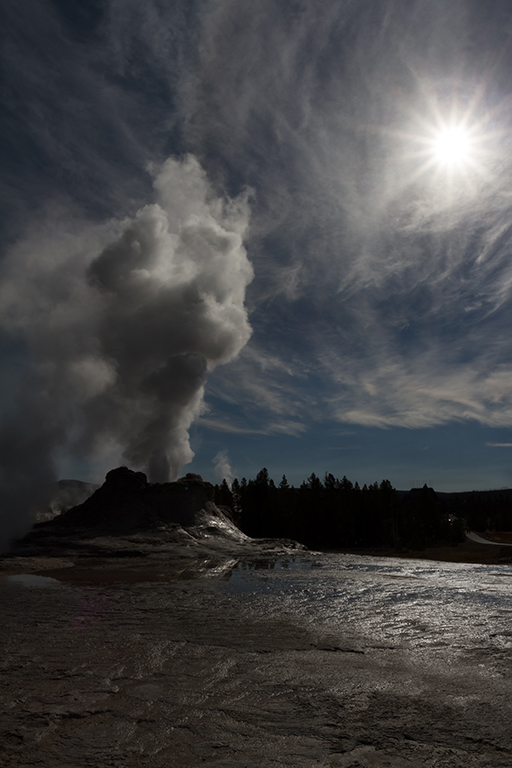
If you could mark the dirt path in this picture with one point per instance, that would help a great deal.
(472, 536)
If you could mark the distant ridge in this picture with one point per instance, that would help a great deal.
(447, 495)
(67, 494)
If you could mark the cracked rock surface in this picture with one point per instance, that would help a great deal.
(286, 659)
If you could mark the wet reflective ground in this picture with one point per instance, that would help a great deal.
(408, 603)
(308, 660)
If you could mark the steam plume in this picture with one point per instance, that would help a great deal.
(121, 334)
(223, 469)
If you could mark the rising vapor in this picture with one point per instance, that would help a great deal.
(383, 279)
(121, 324)
(223, 469)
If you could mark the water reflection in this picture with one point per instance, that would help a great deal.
(392, 602)
(302, 562)
(241, 581)
(30, 580)
(77, 576)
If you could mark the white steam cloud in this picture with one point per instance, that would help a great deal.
(121, 324)
(223, 470)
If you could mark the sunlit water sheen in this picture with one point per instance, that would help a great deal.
(378, 602)
(388, 601)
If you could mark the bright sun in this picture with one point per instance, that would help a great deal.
(451, 146)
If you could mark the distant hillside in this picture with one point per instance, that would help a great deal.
(68, 494)
(497, 493)
(460, 495)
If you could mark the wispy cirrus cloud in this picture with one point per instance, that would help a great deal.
(499, 445)
(260, 382)
(423, 391)
(394, 273)
(282, 427)
(383, 280)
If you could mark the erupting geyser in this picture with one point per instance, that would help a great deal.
(121, 325)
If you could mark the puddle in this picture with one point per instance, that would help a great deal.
(228, 569)
(253, 575)
(30, 580)
(78, 576)
(278, 563)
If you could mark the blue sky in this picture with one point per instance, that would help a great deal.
(356, 156)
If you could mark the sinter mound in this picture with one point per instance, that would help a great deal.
(129, 516)
(127, 503)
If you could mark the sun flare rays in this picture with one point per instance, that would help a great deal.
(447, 150)
(451, 149)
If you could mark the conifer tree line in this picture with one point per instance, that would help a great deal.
(336, 514)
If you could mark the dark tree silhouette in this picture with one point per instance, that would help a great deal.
(338, 514)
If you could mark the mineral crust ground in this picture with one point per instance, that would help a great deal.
(258, 660)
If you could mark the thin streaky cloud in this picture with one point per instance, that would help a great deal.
(382, 288)
(225, 426)
(499, 445)
(273, 428)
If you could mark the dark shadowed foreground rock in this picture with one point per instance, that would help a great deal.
(128, 516)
